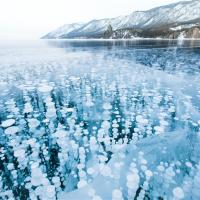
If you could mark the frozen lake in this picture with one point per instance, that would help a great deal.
(100, 120)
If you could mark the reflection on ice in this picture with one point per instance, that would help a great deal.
(96, 123)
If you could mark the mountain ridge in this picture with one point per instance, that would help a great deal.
(171, 16)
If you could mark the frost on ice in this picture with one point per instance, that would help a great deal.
(96, 127)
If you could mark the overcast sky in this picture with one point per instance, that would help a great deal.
(30, 19)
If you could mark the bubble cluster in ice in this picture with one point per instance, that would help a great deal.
(100, 126)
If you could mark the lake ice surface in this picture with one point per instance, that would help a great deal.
(100, 120)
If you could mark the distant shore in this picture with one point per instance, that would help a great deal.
(120, 39)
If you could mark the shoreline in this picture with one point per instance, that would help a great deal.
(120, 39)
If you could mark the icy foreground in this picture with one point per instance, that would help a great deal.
(96, 123)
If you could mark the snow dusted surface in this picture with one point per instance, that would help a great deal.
(100, 120)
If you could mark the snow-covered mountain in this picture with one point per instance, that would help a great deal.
(172, 15)
(61, 31)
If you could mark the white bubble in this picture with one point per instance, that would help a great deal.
(39, 191)
(50, 191)
(143, 167)
(90, 171)
(34, 165)
(160, 168)
(188, 164)
(28, 108)
(159, 129)
(33, 123)
(96, 197)
(60, 134)
(10, 166)
(148, 173)
(69, 109)
(133, 178)
(178, 193)
(31, 141)
(105, 125)
(116, 194)
(107, 106)
(35, 181)
(139, 118)
(91, 192)
(12, 130)
(44, 181)
(20, 153)
(164, 123)
(143, 161)
(81, 183)
(105, 170)
(56, 179)
(45, 88)
(82, 174)
(7, 123)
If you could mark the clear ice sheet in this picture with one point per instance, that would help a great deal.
(99, 120)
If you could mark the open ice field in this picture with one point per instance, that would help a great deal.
(100, 120)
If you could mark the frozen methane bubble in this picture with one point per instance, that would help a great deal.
(107, 106)
(45, 88)
(178, 193)
(60, 134)
(50, 191)
(7, 123)
(188, 164)
(56, 181)
(132, 177)
(10, 166)
(148, 173)
(31, 141)
(39, 191)
(19, 153)
(159, 129)
(37, 176)
(96, 197)
(70, 109)
(141, 120)
(117, 195)
(12, 130)
(28, 108)
(160, 168)
(90, 171)
(33, 123)
(91, 192)
(132, 180)
(82, 174)
(82, 183)
(105, 170)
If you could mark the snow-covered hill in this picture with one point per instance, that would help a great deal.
(173, 15)
(65, 29)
